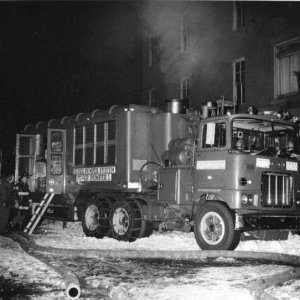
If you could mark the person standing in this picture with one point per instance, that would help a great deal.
(24, 202)
(6, 202)
(13, 210)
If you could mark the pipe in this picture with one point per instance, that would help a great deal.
(112, 108)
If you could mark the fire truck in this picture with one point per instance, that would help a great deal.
(132, 169)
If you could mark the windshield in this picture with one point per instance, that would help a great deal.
(263, 137)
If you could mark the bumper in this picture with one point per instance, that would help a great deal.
(267, 221)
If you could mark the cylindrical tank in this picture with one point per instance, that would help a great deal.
(176, 106)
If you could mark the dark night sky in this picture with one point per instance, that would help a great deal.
(42, 43)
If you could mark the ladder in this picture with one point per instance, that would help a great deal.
(38, 214)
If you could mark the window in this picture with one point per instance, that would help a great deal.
(263, 137)
(105, 143)
(26, 145)
(25, 153)
(214, 135)
(78, 146)
(151, 97)
(25, 165)
(89, 144)
(56, 141)
(239, 80)
(184, 36)
(95, 144)
(238, 15)
(287, 68)
(184, 88)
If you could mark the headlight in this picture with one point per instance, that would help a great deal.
(244, 199)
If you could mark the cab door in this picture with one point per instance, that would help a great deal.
(25, 157)
(56, 158)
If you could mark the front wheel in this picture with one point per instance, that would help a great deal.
(214, 227)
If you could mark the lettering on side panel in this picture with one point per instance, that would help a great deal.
(211, 165)
(94, 173)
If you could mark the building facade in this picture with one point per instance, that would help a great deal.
(248, 52)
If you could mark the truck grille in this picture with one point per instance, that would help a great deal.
(277, 190)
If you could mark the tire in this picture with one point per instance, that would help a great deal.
(127, 223)
(147, 228)
(214, 227)
(96, 216)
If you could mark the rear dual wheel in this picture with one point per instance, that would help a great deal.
(127, 221)
(123, 221)
(96, 218)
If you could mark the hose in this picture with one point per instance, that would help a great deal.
(72, 286)
(257, 288)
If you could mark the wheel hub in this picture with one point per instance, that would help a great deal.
(120, 221)
(92, 217)
(212, 228)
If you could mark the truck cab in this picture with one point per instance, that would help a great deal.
(244, 177)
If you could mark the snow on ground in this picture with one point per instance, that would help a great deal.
(211, 284)
(17, 265)
(73, 237)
